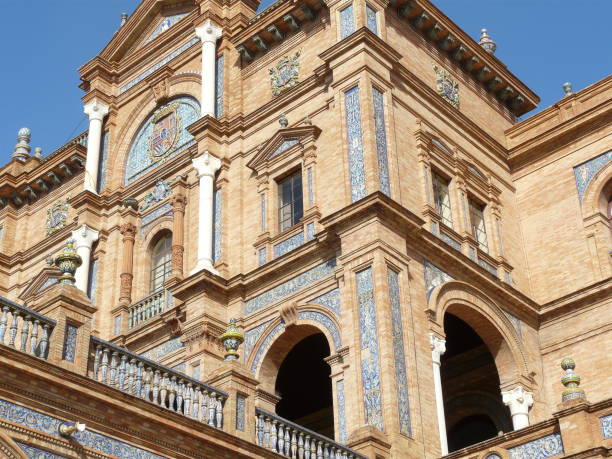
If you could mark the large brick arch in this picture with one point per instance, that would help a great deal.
(489, 322)
(597, 192)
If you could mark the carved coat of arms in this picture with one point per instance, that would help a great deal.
(159, 193)
(57, 215)
(166, 132)
(285, 74)
(446, 86)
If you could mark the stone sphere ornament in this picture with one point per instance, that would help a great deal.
(571, 381)
(68, 261)
(232, 339)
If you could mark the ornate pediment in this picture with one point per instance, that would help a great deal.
(285, 141)
(48, 277)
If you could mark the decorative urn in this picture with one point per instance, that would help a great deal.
(232, 339)
(68, 261)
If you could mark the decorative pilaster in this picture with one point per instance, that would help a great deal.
(208, 33)
(178, 209)
(84, 237)
(519, 401)
(206, 166)
(128, 231)
(96, 111)
(438, 347)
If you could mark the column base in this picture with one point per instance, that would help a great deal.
(204, 265)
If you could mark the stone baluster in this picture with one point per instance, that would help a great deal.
(195, 411)
(148, 376)
(281, 438)
(307, 447)
(212, 403)
(104, 366)
(113, 369)
(13, 329)
(156, 377)
(300, 452)
(319, 449)
(313, 449)
(96, 366)
(187, 399)
(179, 395)
(25, 332)
(131, 387)
(44, 342)
(34, 336)
(293, 443)
(163, 393)
(259, 429)
(287, 442)
(172, 394)
(3, 323)
(219, 415)
(273, 436)
(139, 379)
(122, 370)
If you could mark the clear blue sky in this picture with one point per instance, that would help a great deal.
(43, 42)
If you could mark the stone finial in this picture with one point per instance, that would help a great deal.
(38, 152)
(282, 120)
(571, 381)
(68, 261)
(487, 42)
(124, 18)
(231, 339)
(22, 149)
(567, 89)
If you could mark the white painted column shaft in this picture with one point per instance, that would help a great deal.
(84, 237)
(438, 347)
(96, 112)
(519, 401)
(209, 33)
(206, 166)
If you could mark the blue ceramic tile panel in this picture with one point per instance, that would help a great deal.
(263, 211)
(148, 221)
(134, 81)
(381, 140)
(219, 86)
(310, 231)
(166, 23)
(347, 22)
(434, 276)
(161, 190)
(585, 172)
(35, 453)
(330, 300)
(103, 160)
(368, 333)
(250, 338)
(163, 349)
(261, 256)
(70, 343)
(141, 159)
(355, 144)
(267, 342)
(93, 281)
(285, 145)
(310, 189)
(117, 325)
(181, 368)
(371, 22)
(240, 412)
(541, 448)
(488, 266)
(195, 373)
(289, 244)
(401, 374)
(292, 285)
(316, 316)
(49, 425)
(341, 412)
(606, 426)
(217, 203)
(450, 241)
(515, 322)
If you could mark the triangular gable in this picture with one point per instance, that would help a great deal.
(46, 278)
(150, 20)
(283, 141)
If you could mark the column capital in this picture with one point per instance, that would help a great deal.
(85, 236)
(95, 110)
(438, 347)
(128, 230)
(518, 400)
(206, 165)
(209, 32)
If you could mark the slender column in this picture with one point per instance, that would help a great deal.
(438, 347)
(84, 237)
(96, 111)
(206, 166)
(208, 33)
(519, 401)
(128, 231)
(178, 205)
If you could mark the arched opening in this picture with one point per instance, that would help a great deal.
(304, 386)
(161, 261)
(473, 405)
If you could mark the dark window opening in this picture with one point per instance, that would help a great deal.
(161, 263)
(290, 204)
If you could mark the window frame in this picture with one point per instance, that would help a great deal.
(163, 266)
(293, 218)
(446, 217)
(478, 231)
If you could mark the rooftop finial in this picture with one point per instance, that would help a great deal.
(124, 18)
(487, 42)
(567, 89)
(22, 149)
(571, 381)
(38, 152)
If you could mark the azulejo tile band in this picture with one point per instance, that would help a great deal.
(330, 300)
(401, 377)
(289, 244)
(347, 22)
(166, 23)
(316, 316)
(105, 140)
(35, 453)
(162, 136)
(544, 447)
(355, 144)
(250, 337)
(585, 172)
(606, 426)
(381, 138)
(277, 330)
(370, 367)
(93, 280)
(515, 321)
(310, 231)
(49, 425)
(147, 222)
(163, 349)
(240, 412)
(261, 256)
(292, 285)
(371, 22)
(341, 411)
(488, 266)
(219, 86)
(161, 190)
(446, 86)
(217, 203)
(310, 187)
(263, 211)
(70, 343)
(434, 276)
(285, 145)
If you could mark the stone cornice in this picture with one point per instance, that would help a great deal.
(587, 296)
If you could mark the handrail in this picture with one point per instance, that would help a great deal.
(136, 375)
(295, 441)
(30, 327)
(147, 308)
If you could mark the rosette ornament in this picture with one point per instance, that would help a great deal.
(232, 339)
(68, 261)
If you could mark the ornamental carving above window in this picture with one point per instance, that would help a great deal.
(446, 86)
(57, 215)
(286, 73)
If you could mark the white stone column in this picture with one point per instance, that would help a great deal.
(96, 111)
(206, 166)
(519, 401)
(84, 237)
(209, 33)
(438, 347)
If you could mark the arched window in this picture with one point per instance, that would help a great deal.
(161, 262)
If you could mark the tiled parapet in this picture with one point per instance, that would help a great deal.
(133, 374)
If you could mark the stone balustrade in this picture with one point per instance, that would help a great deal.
(294, 441)
(28, 331)
(147, 308)
(124, 370)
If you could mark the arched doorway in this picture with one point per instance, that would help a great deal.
(304, 386)
(473, 405)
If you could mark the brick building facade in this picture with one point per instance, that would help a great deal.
(410, 270)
